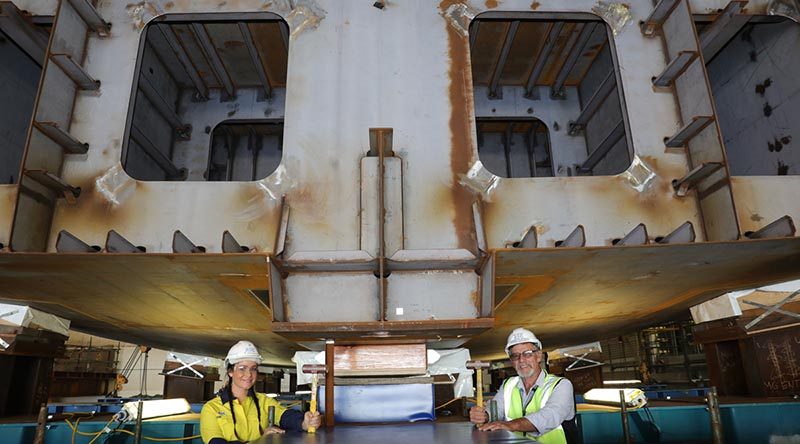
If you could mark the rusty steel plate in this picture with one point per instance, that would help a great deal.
(576, 295)
(193, 303)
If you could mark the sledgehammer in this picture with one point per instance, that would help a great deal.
(315, 371)
(478, 365)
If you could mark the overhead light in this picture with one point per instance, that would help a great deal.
(622, 382)
(153, 408)
(303, 392)
(634, 398)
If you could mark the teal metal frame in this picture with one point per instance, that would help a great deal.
(743, 423)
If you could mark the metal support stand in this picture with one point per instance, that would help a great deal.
(771, 309)
(137, 436)
(623, 410)
(581, 358)
(41, 424)
(185, 365)
(329, 422)
(716, 421)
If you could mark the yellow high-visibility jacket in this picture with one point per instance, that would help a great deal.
(216, 420)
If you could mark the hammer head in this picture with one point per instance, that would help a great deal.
(314, 368)
(477, 364)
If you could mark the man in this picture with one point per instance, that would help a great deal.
(533, 402)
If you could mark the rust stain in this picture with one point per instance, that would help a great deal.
(535, 5)
(755, 217)
(491, 4)
(530, 287)
(460, 92)
(169, 5)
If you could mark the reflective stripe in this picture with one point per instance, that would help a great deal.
(508, 392)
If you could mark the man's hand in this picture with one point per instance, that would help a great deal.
(497, 425)
(515, 425)
(274, 430)
(478, 415)
(312, 420)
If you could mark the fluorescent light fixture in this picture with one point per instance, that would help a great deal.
(303, 392)
(272, 395)
(622, 382)
(634, 398)
(153, 409)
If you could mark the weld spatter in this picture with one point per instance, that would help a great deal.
(786, 8)
(305, 15)
(459, 16)
(639, 175)
(115, 185)
(280, 6)
(617, 15)
(480, 180)
(270, 192)
(143, 12)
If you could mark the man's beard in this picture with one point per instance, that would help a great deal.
(526, 373)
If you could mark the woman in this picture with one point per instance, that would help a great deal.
(238, 413)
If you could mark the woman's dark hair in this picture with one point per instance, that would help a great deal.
(252, 394)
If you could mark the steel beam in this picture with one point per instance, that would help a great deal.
(164, 109)
(75, 72)
(691, 179)
(18, 28)
(70, 144)
(93, 19)
(54, 183)
(183, 58)
(255, 58)
(691, 129)
(722, 29)
(593, 104)
(675, 68)
(602, 150)
(659, 15)
(497, 73)
(575, 51)
(163, 162)
(541, 59)
(207, 46)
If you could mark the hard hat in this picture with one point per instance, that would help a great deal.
(242, 351)
(521, 336)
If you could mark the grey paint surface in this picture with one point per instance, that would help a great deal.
(19, 79)
(754, 80)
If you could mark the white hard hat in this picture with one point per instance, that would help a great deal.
(242, 351)
(521, 336)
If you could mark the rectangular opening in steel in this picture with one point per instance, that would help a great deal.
(553, 79)
(209, 98)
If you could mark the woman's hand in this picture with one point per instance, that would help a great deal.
(274, 430)
(312, 420)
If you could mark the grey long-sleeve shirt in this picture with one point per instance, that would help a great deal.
(559, 407)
